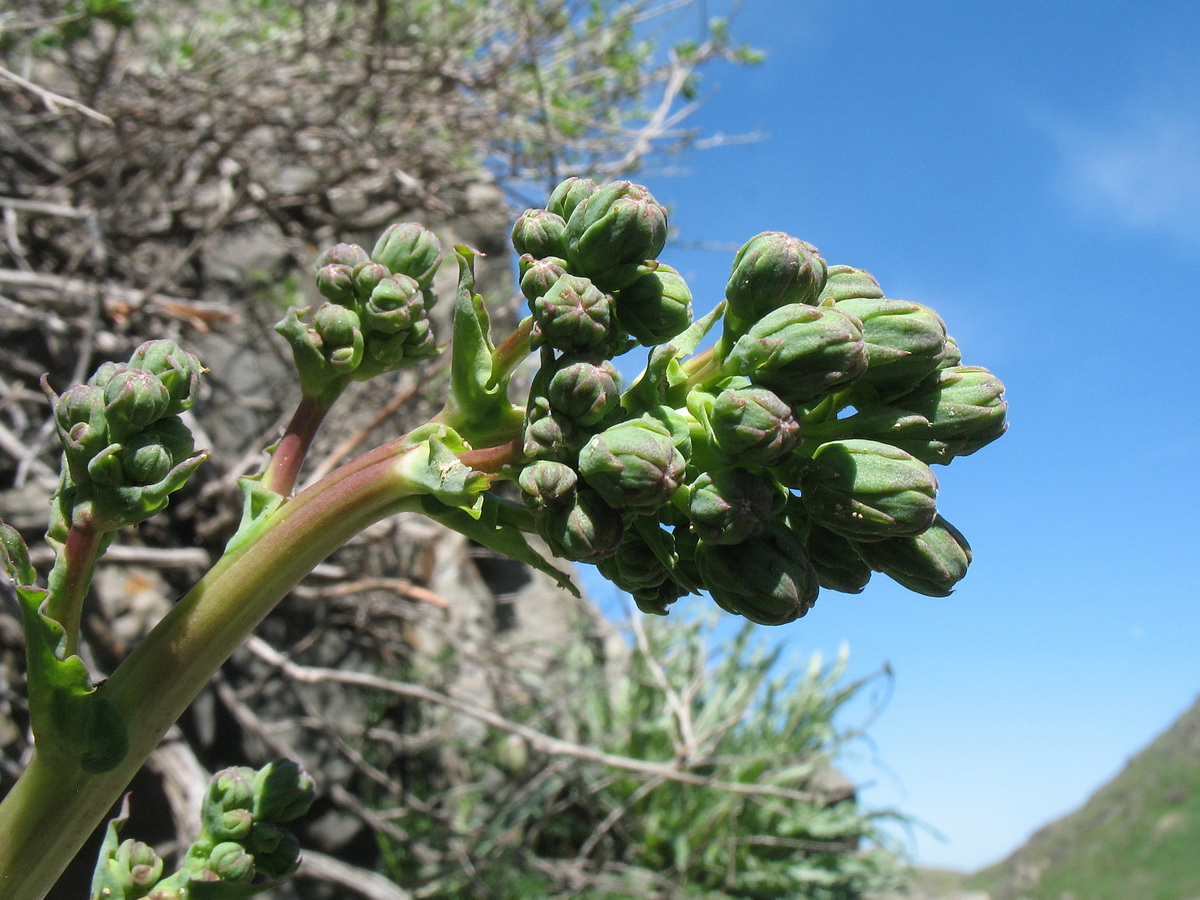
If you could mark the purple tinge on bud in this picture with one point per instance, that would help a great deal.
(612, 233)
(367, 277)
(771, 270)
(656, 307)
(573, 314)
(336, 282)
(540, 234)
(634, 465)
(539, 275)
(768, 578)
(546, 484)
(394, 305)
(343, 254)
(341, 336)
(79, 415)
(964, 406)
(411, 249)
(178, 370)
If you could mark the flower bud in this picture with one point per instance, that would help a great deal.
(584, 388)
(409, 249)
(178, 370)
(82, 427)
(540, 234)
(546, 484)
(336, 282)
(573, 314)
(585, 530)
(727, 506)
(656, 307)
(343, 255)
(394, 305)
(866, 490)
(341, 336)
(771, 270)
(634, 566)
(539, 275)
(800, 352)
(930, 563)
(768, 578)
(282, 791)
(612, 233)
(847, 282)
(569, 194)
(836, 561)
(634, 465)
(231, 862)
(231, 825)
(141, 460)
(282, 860)
(366, 277)
(905, 342)
(654, 601)
(549, 434)
(964, 406)
(231, 788)
(133, 399)
(140, 867)
(753, 425)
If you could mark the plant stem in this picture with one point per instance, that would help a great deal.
(55, 806)
(71, 579)
(287, 458)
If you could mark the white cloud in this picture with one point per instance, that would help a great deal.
(1141, 171)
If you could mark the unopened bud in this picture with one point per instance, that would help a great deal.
(656, 307)
(771, 270)
(540, 234)
(633, 465)
(409, 249)
(930, 563)
(612, 233)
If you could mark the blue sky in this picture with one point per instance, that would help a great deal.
(1032, 171)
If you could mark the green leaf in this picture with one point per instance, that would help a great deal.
(663, 370)
(105, 883)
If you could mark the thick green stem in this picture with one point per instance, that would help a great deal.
(55, 806)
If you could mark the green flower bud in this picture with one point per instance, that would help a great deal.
(343, 255)
(656, 307)
(282, 791)
(573, 314)
(231, 825)
(82, 427)
(139, 461)
(569, 194)
(547, 484)
(654, 601)
(584, 388)
(133, 399)
(585, 530)
(953, 355)
(549, 434)
(905, 342)
(366, 278)
(178, 370)
(847, 282)
(394, 305)
(336, 282)
(800, 352)
(540, 234)
(341, 336)
(539, 275)
(771, 270)
(612, 233)
(768, 578)
(754, 426)
(727, 506)
(140, 867)
(962, 404)
(930, 563)
(409, 249)
(231, 862)
(231, 788)
(866, 490)
(634, 465)
(282, 860)
(634, 566)
(836, 561)
(387, 352)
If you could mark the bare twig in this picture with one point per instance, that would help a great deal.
(52, 100)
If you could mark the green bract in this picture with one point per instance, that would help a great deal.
(178, 370)
(133, 399)
(800, 352)
(395, 304)
(768, 578)
(771, 270)
(930, 563)
(633, 465)
(868, 490)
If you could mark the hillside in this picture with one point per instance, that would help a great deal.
(1136, 837)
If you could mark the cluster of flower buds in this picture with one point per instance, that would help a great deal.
(792, 454)
(125, 447)
(376, 314)
(242, 847)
